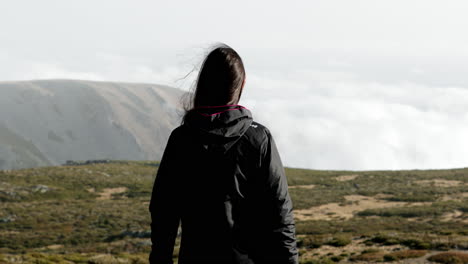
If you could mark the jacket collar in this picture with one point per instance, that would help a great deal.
(219, 127)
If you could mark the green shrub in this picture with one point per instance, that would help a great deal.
(406, 212)
(389, 258)
(337, 258)
(416, 244)
(420, 197)
(339, 241)
(311, 241)
(385, 239)
(371, 250)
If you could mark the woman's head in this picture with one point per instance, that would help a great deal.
(220, 79)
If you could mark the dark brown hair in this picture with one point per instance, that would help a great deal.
(220, 79)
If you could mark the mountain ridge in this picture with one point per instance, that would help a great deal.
(48, 121)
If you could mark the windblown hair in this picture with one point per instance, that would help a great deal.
(220, 79)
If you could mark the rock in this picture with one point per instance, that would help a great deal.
(8, 219)
(40, 188)
(136, 234)
(144, 243)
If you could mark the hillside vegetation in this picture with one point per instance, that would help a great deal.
(98, 213)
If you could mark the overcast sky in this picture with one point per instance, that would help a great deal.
(341, 84)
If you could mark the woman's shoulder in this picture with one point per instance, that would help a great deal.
(176, 134)
(177, 130)
(257, 134)
(258, 129)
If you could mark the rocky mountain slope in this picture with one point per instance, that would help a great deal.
(47, 122)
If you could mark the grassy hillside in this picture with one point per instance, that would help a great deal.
(97, 213)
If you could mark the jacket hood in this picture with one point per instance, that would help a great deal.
(219, 127)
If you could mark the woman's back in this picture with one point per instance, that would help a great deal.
(222, 177)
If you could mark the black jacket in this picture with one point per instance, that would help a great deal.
(222, 177)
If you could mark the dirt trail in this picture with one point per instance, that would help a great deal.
(454, 216)
(308, 186)
(354, 204)
(347, 177)
(106, 193)
(454, 197)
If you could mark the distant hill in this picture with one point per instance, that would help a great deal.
(47, 122)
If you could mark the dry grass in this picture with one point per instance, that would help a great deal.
(369, 256)
(450, 258)
(404, 254)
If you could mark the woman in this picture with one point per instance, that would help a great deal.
(221, 176)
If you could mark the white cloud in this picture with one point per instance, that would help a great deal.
(346, 123)
(105, 67)
(39, 70)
